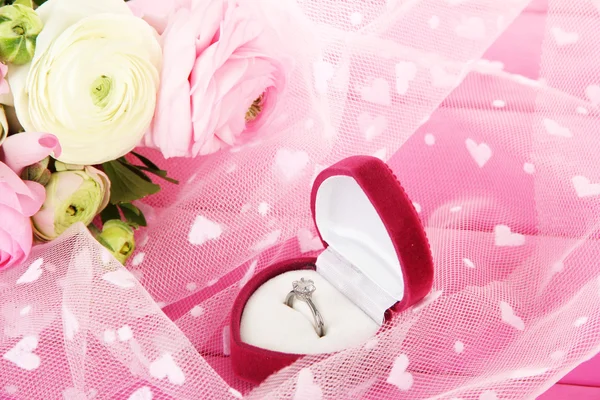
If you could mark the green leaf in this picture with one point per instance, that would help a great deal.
(161, 174)
(146, 162)
(26, 3)
(133, 215)
(153, 168)
(128, 183)
(110, 212)
(136, 170)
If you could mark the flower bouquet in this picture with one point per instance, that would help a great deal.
(86, 81)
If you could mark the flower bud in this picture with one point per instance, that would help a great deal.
(38, 172)
(71, 197)
(118, 238)
(19, 28)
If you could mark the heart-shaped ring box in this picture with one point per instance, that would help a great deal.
(370, 227)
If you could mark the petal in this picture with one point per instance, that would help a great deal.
(24, 197)
(24, 149)
(16, 237)
(209, 15)
(172, 127)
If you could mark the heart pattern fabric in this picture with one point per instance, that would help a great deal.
(505, 237)
(22, 354)
(204, 230)
(121, 278)
(555, 129)
(584, 187)
(291, 163)
(33, 272)
(564, 38)
(166, 367)
(372, 126)
(399, 376)
(308, 242)
(406, 72)
(377, 91)
(509, 317)
(143, 393)
(481, 152)
(306, 387)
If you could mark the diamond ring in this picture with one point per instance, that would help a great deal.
(303, 290)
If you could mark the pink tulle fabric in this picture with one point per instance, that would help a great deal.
(498, 150)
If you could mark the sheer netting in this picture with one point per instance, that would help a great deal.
(498, 151)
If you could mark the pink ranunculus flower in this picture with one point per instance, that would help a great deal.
(224, 69)
(19, 200)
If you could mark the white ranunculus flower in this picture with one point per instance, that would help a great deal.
(93, 79)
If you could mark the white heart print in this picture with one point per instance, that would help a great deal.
(505, 237)
(406, 72)
(70, 323)
(204, 230)
(441, 78)
(471, 28)
(22, 354)
(323, 72)
(143, 393)
(593, 93)
(488, 395)
(399, 376)
(555, 129)
(564, 38)
(356, 18)
(196, 311)
(529, 168)
(125, 333)
(429, 139)
(434, 22)
(509, 317)
(371, 126)
(528, 372)
(306, 388)
(291, 163)
(481, 152)
(109, 336)
(138, 259)
(166, 367)
(264, 208)
(308, 242)
(267, 241)
(584, 187)
(377, 91)
(33, 272)
(121, 278)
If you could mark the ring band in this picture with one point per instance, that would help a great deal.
(303, 290)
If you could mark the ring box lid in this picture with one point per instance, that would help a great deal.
(376, 247)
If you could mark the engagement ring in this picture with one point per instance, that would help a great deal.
(303, 290)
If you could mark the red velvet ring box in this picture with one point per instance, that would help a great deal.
(368, 223)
